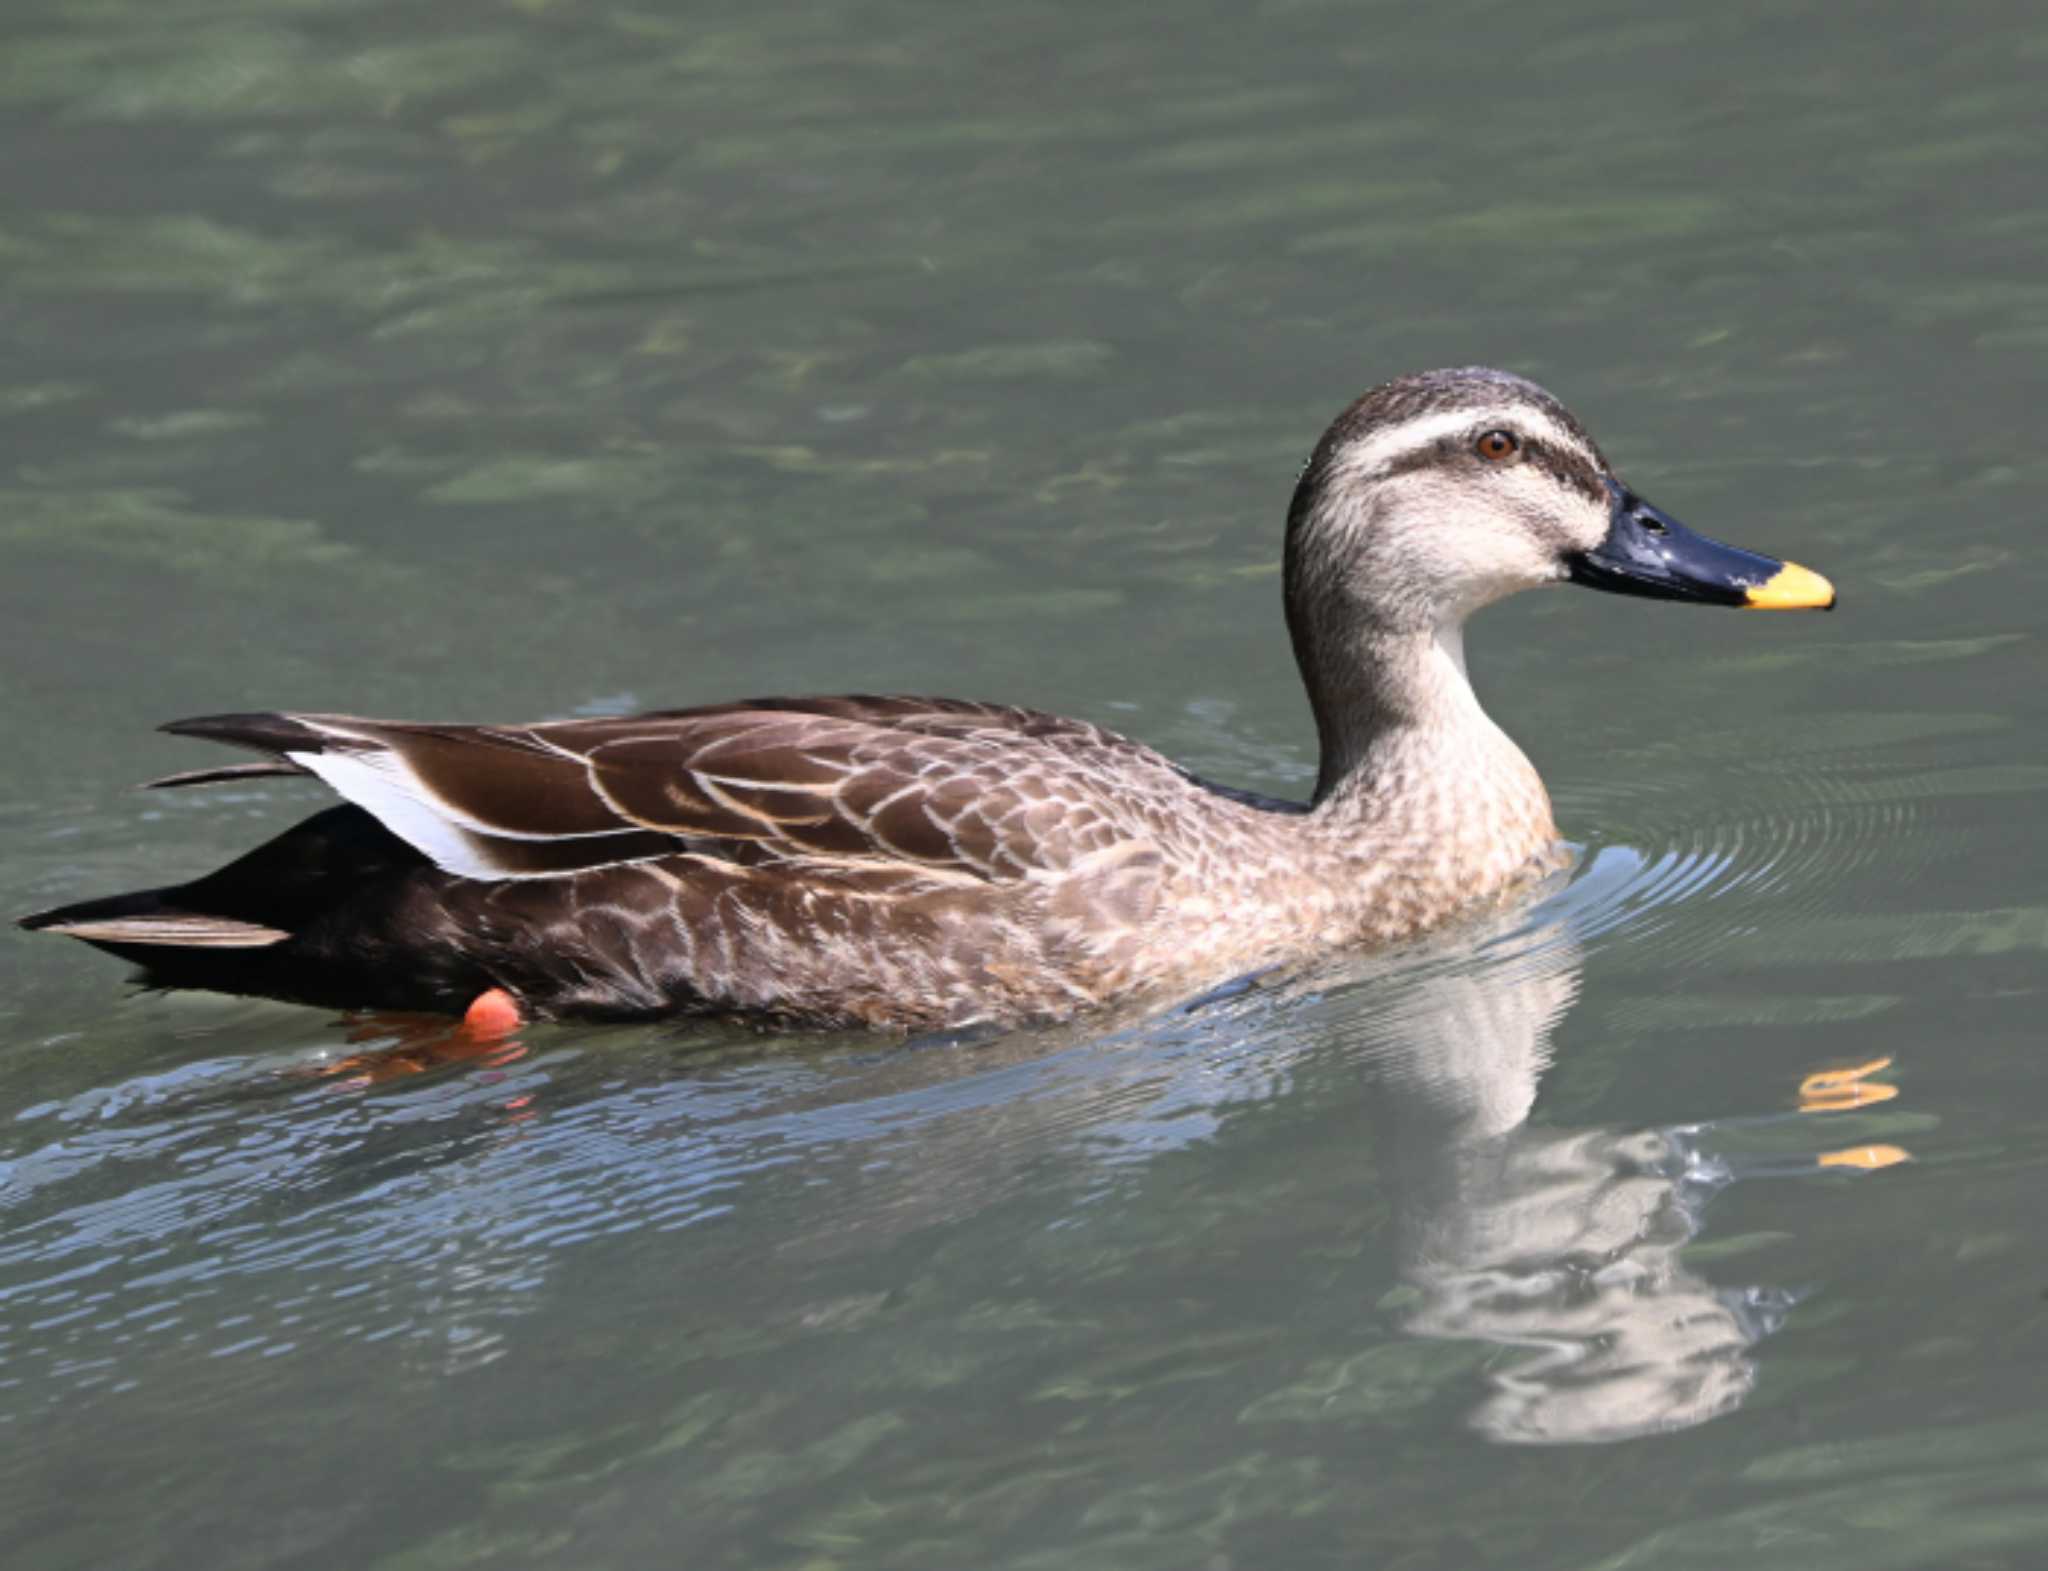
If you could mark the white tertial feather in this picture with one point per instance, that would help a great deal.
(381, 784)
(374, 750)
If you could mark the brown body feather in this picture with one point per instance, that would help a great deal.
(930, 862)
(833, 861)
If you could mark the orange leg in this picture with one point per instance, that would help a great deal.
(491, 1015)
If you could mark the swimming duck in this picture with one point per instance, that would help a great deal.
(922, 862)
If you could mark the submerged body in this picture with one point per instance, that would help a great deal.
(923, 862)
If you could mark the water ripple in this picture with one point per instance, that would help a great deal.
(286, 1178)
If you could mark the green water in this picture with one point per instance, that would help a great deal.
(500, 360)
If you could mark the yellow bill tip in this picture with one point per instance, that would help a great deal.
(1791, 588)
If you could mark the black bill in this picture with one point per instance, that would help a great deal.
(1648, 552)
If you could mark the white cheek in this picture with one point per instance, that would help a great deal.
(1468, 545)
(1586, 525)
(1557, 515)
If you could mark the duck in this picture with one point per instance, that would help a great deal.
(910, 864)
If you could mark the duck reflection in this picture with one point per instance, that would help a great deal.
(1562, 1246)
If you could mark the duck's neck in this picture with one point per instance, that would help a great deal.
(1405, 742)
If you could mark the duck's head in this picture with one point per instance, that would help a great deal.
(1438, 493)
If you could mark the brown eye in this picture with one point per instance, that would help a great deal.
(1497, 447)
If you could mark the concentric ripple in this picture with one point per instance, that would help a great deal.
(1782, 839)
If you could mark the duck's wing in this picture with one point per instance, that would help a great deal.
(953, 791)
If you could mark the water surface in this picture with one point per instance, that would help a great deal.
(507, 360)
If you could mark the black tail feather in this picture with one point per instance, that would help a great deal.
(263, 733)
(193, 777)
(287, 883)
(144, 925)
(316, 915)
(141, 903)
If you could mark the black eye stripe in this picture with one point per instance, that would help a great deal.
(1566, 465)
(1486, 398)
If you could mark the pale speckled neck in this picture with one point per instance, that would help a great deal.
(1411, 761)
(1393, 702)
